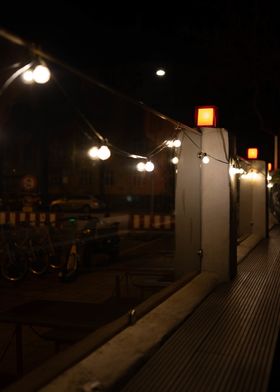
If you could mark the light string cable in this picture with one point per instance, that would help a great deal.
(209, 155)
(156, 150)
(78, 111)
(46, 56)
(19, 41)
(249, 164)
(14, 76)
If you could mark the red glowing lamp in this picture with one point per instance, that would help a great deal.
(252, 153)
(206, 116)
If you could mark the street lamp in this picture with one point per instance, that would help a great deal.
(160, 72)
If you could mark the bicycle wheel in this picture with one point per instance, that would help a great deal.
(39, 262)
(14, 266)
(58, 259)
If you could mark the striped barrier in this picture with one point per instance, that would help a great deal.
(136, 221)
(33, 218)
(154, 222)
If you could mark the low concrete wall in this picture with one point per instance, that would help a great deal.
(112, 361)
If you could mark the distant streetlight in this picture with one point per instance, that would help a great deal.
(160, 72)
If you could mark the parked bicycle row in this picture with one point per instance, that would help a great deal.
(25, 248)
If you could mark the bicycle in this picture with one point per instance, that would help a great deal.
(22, 250)
(94, 237)
(14, 264)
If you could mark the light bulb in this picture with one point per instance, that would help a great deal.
(140, 166)
(177, 143)
(41, 74)
(93, 152)
(205, 159)
(149, 166)
(175, 160)
(27, 76)
(104, 153)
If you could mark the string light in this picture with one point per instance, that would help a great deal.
(149, 166)
(27, 77)
(93, 152)
(40, 74)
(175, 160)
(204, 157)
(140, 166)
(103, 152)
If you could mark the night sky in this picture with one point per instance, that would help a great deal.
(221, 53)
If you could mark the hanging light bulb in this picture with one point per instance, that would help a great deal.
(169, 143)
(149, 166)
(204, 157)
(175, 160)
(140, 166)
(93, 152)
(41, 74)
(104, 153)
(27, 76)
(177, 143)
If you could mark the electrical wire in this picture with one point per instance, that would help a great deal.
(78, 111)
(14, 76)
(178, 126)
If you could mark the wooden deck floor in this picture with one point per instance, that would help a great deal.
(228, 343)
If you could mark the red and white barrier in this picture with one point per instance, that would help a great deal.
(34, 218)
(155, 222)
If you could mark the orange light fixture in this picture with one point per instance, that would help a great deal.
(252, 153)
(269, 166)
(206, 116)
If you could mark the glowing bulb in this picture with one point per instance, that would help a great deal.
(41, 74)
(270, 185)
(177, 143)
(160, 72)
(269, 177)
(104, 153)
(169, 143)
(175, 160)
(149, 166)
(140, 166)
(27, 77)
(205, 159)
(93, 152)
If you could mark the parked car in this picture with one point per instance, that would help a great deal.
(81, 203)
